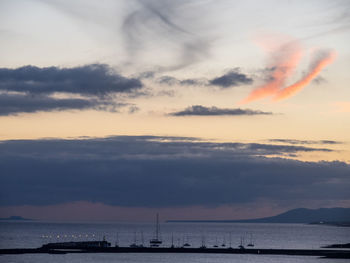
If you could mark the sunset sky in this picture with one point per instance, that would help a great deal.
(203, 109)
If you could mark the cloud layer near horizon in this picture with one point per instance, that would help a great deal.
(148, 171)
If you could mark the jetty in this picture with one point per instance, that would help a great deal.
(51, 249)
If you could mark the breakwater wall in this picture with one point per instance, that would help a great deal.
(293, 252)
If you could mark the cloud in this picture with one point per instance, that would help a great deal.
(291, 141)
(231, 79)
(31, 89)
(321, 60)
(169, 80)
(319, 80)
(147, 171)
(283, 62)
(337, 21)
(199, 110)
(165, 21)
(12, 104)
(133, 109)
(89, 80)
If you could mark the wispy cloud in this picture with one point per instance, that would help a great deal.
(199, 110)
(284, 60)
(323, 58)
(170, 81)
(293, 141)
(161, 20)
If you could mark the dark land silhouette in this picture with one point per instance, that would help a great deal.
(333, 216)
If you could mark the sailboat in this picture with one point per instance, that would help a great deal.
(186, 244)
(142, 239)
(241, 246)
(134, 245)
(203, 246)
(216, 242)
(156, 241)
(117, 241)
(224, 242)
(251, 244)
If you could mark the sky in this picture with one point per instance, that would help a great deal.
(199, 109)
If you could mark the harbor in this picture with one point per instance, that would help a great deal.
(156, 244)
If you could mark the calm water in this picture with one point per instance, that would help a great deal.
(34, 234)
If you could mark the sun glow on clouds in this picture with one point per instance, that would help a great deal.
(325, 59)
(285, 60)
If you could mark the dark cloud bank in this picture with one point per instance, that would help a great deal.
(94, 79)
(31, 89)
(199, 110)
(163, 171)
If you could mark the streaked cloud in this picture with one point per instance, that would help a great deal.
(170, 81)
(13, 104)
(323, 58)
(199, 110)
(283, 62)
(291, 141)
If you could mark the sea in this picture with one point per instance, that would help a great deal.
(33, 234)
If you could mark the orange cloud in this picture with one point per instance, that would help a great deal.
(324, 59)
(284, 62)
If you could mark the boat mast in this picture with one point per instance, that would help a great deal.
(157, 226)
(230, 241)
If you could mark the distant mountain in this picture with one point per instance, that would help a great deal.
(16, 218)
(299, 215)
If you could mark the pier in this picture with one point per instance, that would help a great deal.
(292, 252)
